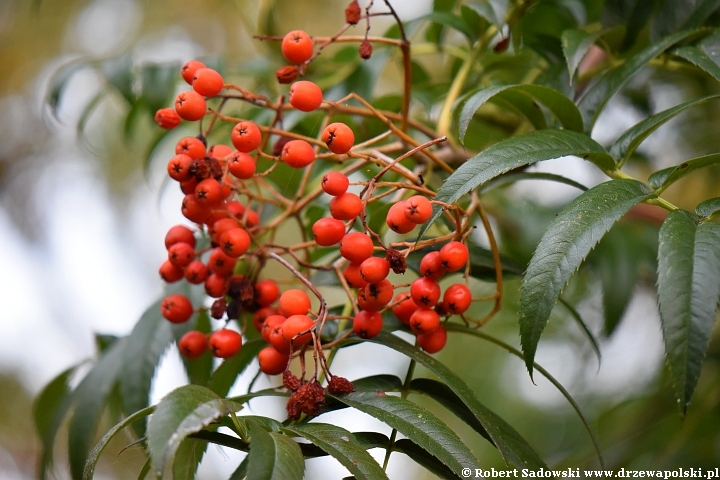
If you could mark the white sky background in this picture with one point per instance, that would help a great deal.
(93, 271)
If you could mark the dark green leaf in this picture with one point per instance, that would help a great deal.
(241, 472)
(90, 398)
(639, 16)
(700, 59)
(575, 44)
(563, 247)
(273, 456)
(513, 153)
(594, 100)
(708, 207)
(662, 179)
(183, 411)
(561, 106)
(188, 457)
(442, 394)
(343, 446)
(449, 19)
(512, 447)
(688, 291)
(488, 11)
(419, 455)
(624, 146)
(513, 177)
(482, 265)
(385, 383)
(145, 470)
(673, 15)
(225, 375)
(583, 326)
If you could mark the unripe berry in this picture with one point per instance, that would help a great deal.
(297, 46)
(225, 343)
(306, 96)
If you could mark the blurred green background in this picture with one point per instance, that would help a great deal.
(82, 215)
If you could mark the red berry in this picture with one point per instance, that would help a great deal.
(335, 183)
(207, 82)
(396, 219)
(297, 46)
(276, 339)
(305, 96)
(176, 308)
(424, 321)
(434, 341)
(367, 324)
(221, 263)
(271, 361)
(179, 233)
(457, 298)
(270, 323)
(328, 231)
(235, 242)
(374, 269)
(241, 165)
(225, 343)
(193, 344)
(193, 210)
(404, 308)
(425, 292)
(294, 302)
(181, 254)
(209, 192)
(169, 272)
(196, 272)
(221, 226)
(261, 315)
(298, 153)
(454, 256)
(190, 105)
(246, 136)
(179, 167)
(376, 295)
(346, 206)
(219, 152)
(418, 209)
(216, 285)
(192, 147)
(353, 277)
(431, 265)
(338, 137)
(167, 118)
(297, 324)
(356, 247)
(266, 292)
(189, 68)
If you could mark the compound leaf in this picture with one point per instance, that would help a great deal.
(273, 456)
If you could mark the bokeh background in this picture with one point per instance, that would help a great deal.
(83, 213)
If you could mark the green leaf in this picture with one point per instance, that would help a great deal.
(575, 44)
(639, 15)
(583, 326)
(343, 446)
(513, 153)
(421, 457)
(183, 411)
(488, 11)
(385, 383)
(442, 394)
(482, 265)
(188, 457)
(90, 398)
(92, 459)
(681, 14)
(561, 106)
(273, 456)
(662, 179)
(688, 291)
(241, 472)
(708, 207)
(158, 84)
(449, 19)
(698, 58)
(510, 178)
(631, 139)
(512, 447)
(154, 145)
(225, 375)
(563, 247)
(594, 100)
(148, 340)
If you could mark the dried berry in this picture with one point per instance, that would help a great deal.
(365, 50)
(287, 74)
(340, 385)
(218, 308)
(290, 381)
(396, 260)
(353, 13)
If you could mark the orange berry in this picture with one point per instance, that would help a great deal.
(404, 308)
(356, 247)
(179, 233)
(209, 192)
(266, 292)
(170, 272)
(424, 321)
(374, 269)
(167, 118)
(225, 343)
(293, 302)
(192, 147)
(418, 209)
(367, 324)
(190, 105)
(396, 219)
(189, 68)
(335, 183)
(353, 277)
(246, 136)
(338, 137)
(425, 291)
(193, 344)
(298, 153)
(295, 325)
(346, 206)
(434, 341)
(235, 242)
(297, 46)
(271, 361)
(457, 298)
(219, 152)
(431, 265)
(241, 165)
(328, 231)
(176, 308)
(207, 82)
(454, 255)
(306, 96)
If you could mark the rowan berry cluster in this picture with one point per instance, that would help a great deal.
(236, 213)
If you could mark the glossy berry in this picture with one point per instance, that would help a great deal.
(246, 136)
(193, 210)
(374, 269)
(434, 341)
(271, 361)
(219, 152)
(196, 272)
(235, 242)
(266, 292)
(298, 153)
(397, 221)
(297, 46)
(261, 315)
(209, 192)
(169, 272)
(454, 256)
(293, 302)
(167, 118)
(178, 167)
(221, 226)
(431, 265)
(306, 96)
(418, 209)
(404, 307)
(328, 231)
(221, 263)
(176, 308)
(276, 339)
(295, 325)
(457, 298)
(353, 277)
(356, 247)
(190, 105)
(424, 321)
(192, 147)
(335, 183)
(376, 295)
(367, 324)
(193, 344)
(216, 285)
(338, 137)
(425, 292)
(181, 254)
(225, 343)
(179, 233)
(241, 165)
(346, 206)
(188, 70)
(207, 82)
(269, 324)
